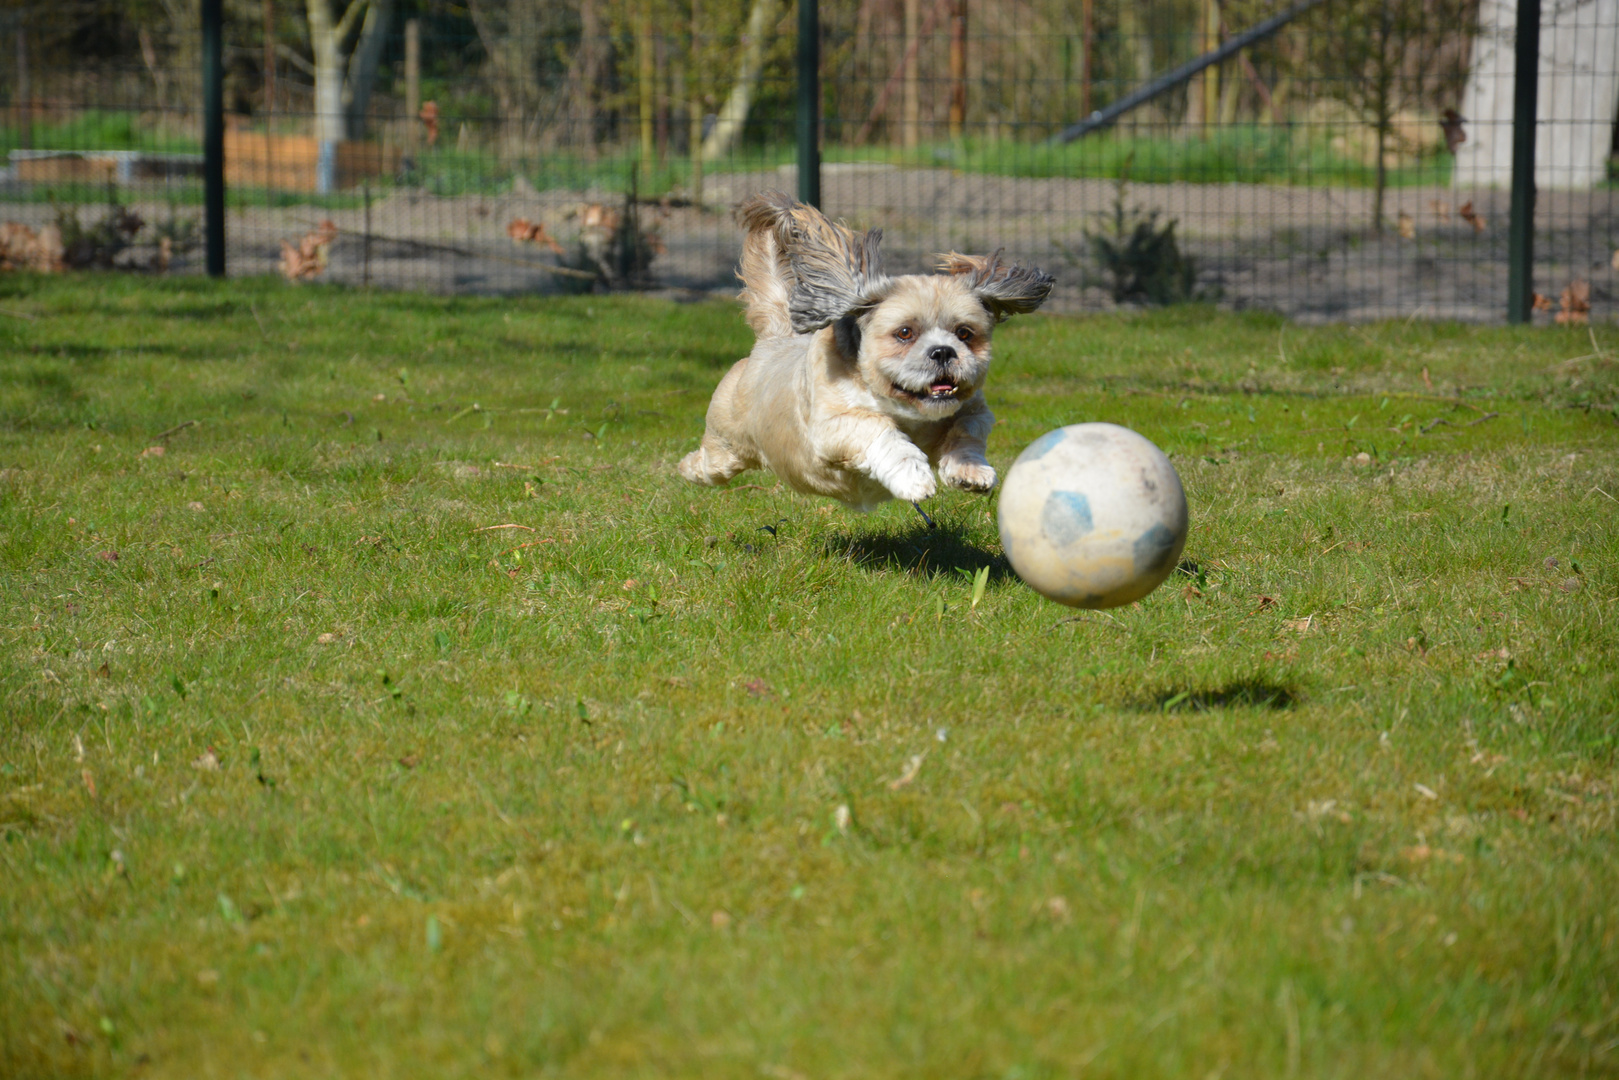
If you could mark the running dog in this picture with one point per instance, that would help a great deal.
(860, 385)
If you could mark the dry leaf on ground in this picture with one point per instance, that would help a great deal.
(1575, 303)
(21, 248)
(309, 258)
(524, 231)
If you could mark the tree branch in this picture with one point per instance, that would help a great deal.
(286, 53)
(345, 25)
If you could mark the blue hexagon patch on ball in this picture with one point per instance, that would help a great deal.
(1043, 445)
(1066, 517)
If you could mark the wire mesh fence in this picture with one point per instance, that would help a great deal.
(1355, 164)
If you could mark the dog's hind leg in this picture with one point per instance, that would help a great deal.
(713, 463)
(725, 450)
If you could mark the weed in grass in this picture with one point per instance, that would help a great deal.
(388, 756)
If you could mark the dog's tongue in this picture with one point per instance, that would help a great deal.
(942, 388)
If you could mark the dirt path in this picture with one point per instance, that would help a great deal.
(1307, 252)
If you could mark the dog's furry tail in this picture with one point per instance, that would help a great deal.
(767, 274)
(787, 240)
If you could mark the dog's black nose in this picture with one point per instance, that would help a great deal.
(942, 353)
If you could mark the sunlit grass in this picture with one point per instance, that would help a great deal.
(406, 715)
(1290, 154)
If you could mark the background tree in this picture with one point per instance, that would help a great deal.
(751, 56)
(514, 34)
(1383, 57)
(347, 47)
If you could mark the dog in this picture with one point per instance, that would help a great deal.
(860, 385)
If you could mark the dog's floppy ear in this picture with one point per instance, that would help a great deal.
(830, 270)
(835, 272)
(1004, 290)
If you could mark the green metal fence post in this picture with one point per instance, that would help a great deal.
(213, 136)
(1521, 230)
(809, 102)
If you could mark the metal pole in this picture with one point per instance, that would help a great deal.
(413, 82)
(809, 102)
(1138, 97)
(1521, 231)
(25, 107)
(213, 137)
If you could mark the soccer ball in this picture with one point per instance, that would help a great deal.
(1093, 516)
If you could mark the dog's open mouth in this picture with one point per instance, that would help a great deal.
(938, 391)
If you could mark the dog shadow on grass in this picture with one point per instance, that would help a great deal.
(919, 550)
(1251, 693)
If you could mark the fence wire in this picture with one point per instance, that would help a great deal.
(1354, 165)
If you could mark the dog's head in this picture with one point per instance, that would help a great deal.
(920, 343)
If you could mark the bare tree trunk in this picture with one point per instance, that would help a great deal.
(1087, 32)
(958, 68)
(694, 91)
(582, 83)
(664, 82)
(1385, 71)
(362, 68)
(734, 113)
(911, 118)
(492, 39)
(1211, 74)
(646, 76)
(343, 90)
(25, 117)
(1382, 180)
(413, 82)
(1229, 89)
(1197, 89)
(509, 35)
(183, 61)
(269, 62)
(325, 41)
(1137, 39)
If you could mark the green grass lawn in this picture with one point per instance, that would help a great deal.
(405, 715)
(1301, 154)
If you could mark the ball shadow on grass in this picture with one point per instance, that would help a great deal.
(921, 551)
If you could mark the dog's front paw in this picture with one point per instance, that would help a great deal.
(966, 475)
(912, 481)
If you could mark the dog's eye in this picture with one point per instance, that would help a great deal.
(965, 333)
(905, 333)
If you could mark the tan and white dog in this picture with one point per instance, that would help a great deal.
(860, 384)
